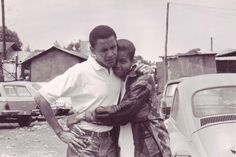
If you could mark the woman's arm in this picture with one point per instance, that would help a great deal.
(124, 112)
(133, 101)
(114, 115)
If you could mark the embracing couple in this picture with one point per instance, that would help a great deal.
(109, 94)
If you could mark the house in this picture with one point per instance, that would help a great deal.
(226, 61)
(45, 65)
(9, 64)
(189, 64)
(159, 76)
(11, 47)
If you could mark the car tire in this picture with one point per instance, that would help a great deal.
(25, 121)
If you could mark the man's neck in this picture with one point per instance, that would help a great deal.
(108, 69)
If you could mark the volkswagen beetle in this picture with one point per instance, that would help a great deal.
(202, 121)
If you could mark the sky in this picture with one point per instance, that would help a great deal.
(39, 23)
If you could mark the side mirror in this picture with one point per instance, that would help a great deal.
(165, 110)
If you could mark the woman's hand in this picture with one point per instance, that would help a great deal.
(143, 68)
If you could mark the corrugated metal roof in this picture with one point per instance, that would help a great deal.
(22, 55)
(233, 58)
(34, 55)
(188, 55)
(226, 52)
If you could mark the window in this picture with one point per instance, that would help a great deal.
(170, 90)
(22, 91)
(10, 91)
(213, 101)
(174, 110)
(14, 91)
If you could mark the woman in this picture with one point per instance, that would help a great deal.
(138, 106)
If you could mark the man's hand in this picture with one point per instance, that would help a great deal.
(104, 112)
(73, 140)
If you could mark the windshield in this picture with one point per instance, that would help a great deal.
(214, 101)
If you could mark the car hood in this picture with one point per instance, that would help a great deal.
(218, 139)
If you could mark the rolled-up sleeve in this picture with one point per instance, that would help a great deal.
(60, 86)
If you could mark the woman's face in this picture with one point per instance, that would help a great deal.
(123, 64)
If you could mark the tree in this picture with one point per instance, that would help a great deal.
(73, 46)
(10, 36)
(28, 49)
(70, 46)
(57, 44)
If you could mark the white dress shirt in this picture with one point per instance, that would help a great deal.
(126, 141)
(89, 85)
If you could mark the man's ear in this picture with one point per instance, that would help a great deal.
(91, 49)
(92, 52)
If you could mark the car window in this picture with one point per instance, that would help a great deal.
(175, 107)
(14, 91)
(214, 101)
(170, 90)
(22, 91)
(36, 86)
(10, 91)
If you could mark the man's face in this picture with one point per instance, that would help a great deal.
(123, 64)
(106, 52)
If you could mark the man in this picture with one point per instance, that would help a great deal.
(89, 86)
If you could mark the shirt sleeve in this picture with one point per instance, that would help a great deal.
(131, 104)
(61, 86)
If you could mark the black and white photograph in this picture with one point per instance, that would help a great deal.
(118, 78)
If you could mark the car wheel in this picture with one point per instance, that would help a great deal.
(25, 121)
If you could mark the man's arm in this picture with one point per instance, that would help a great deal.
(48, 113)
(66, 136)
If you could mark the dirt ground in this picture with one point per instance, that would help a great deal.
(36, 141)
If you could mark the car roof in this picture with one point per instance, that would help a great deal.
(176, 80)
(16, 83)
(195, 83)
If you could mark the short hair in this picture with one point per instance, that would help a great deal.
(126, 45)
(100, 32)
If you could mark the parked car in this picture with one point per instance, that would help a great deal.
(17, 102)
(202, 121)
(167, 96)
(62, 106)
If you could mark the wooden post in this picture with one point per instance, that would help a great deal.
(166, 43)
(3, 55)
(211, 44)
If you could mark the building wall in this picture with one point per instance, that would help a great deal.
(191, 66)
(160, 76)
(51, 64)
(226, 66)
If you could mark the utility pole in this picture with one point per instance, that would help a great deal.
(3, 55)
(16, 61)
(211, 44)
(166, 43)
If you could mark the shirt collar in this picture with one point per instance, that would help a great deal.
(95, 64)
